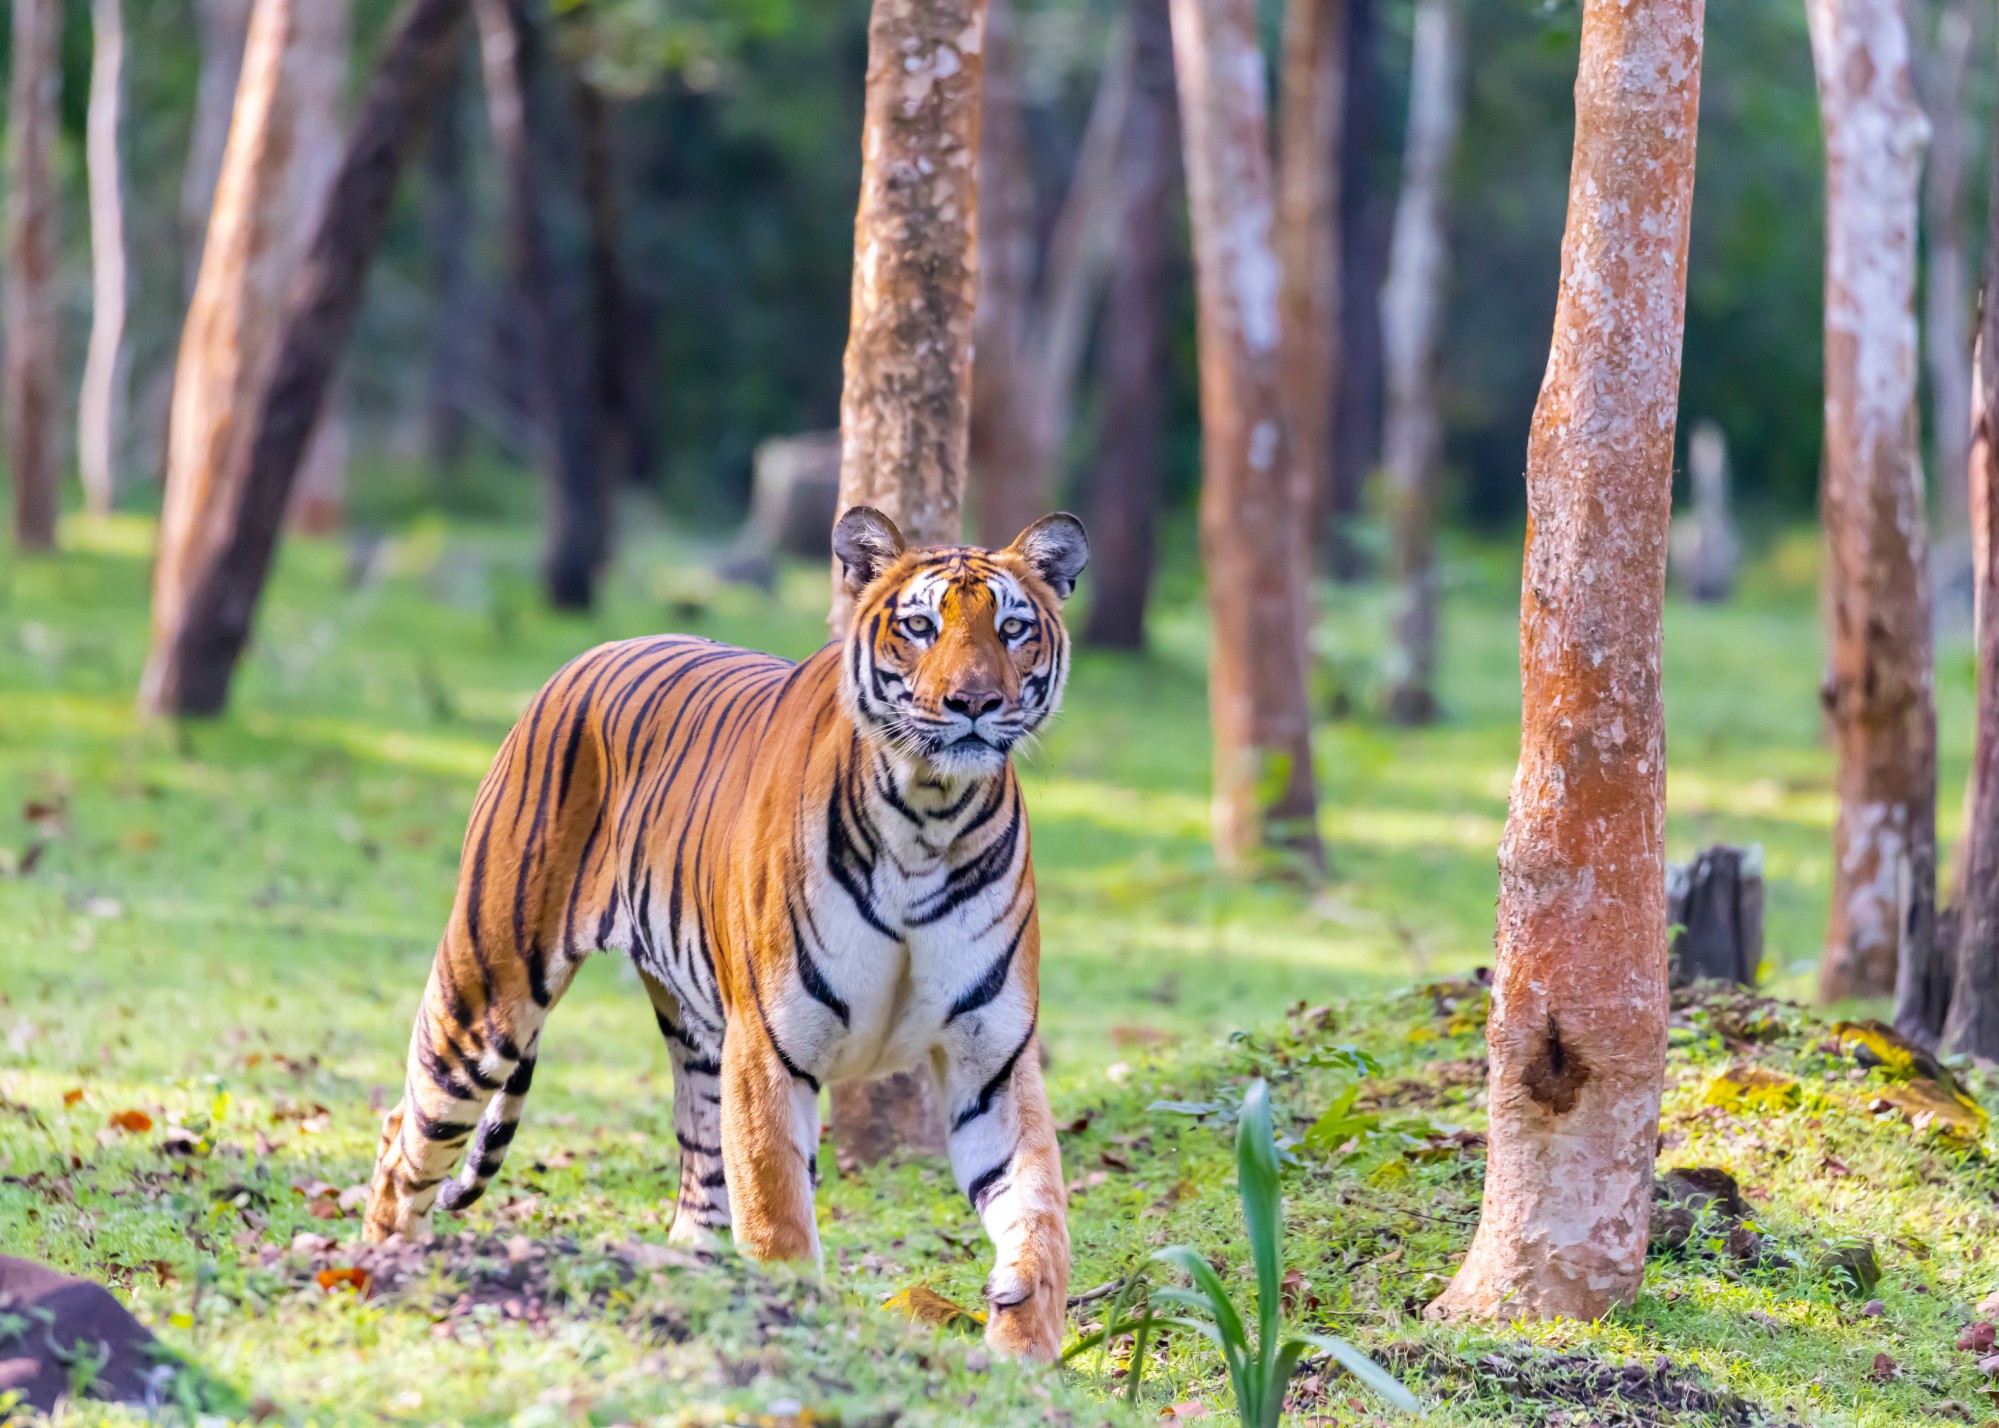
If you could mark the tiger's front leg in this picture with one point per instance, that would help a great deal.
(770, 1145)
(1006, 1160)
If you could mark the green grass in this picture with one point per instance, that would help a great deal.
(249, 908)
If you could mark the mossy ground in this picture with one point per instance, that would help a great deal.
(226, 926)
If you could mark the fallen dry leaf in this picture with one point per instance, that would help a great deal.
(1132, 1034)
(926, 1306)
(1183, 1412)
(354, 1279)
(133, 1122)
(72, 1096)
(1885, 1369)
(1977, 1337)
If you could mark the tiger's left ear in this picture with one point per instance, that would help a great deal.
(1056, 548)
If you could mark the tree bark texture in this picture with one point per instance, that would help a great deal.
(1130, 433)
(1947, 286)
(905, 401)
(213, 565)
(1577, 1035)
(104, 400)
(1254, 498)
(906, 394)
(447, 222)
(1365, 217)
(223, 27)
(1412, 309)
(1972, 1023)
(29, 377)
(1312, 99)
(1877, 690)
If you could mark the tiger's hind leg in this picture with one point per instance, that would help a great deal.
(701, 1214)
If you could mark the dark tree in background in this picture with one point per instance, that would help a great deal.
(456, 319)
(29, 378)
(1365, 214)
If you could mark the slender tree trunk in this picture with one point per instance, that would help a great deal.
(1972, 1023)
(1364, 224)
(214, 563)
(447, 238)
(28, 382)
(1877, 686)
(1313, 100)
(224, 29)
(1130, 433)
(1412, 307)
(906, 399)
(578, 495)
(1947, 290)
(1254, 499)
(101, 409)
(610, 301)
(1577, 1036)
(319, 500)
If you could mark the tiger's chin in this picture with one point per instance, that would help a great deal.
(969, 757)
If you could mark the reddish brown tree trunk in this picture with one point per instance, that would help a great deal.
(1577, 1037)
(1130, 445)
(1313, 97)
(1877, 686)
(1412, 308)
(1254, 498)
(28, 381)
(905, 404)
(203, 613)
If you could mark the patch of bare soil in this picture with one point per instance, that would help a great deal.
(1578, 1390)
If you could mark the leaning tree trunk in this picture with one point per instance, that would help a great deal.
(1877, 688)
(1972, 1024)
(202, 614)
(102, 406)
(28, 382)
(223, 28)
(1254, 502)
(1312, 99)
(1130, 431)
(579, 516)
(1577, 1036)
(906, 398)
(1947, 288)
(1412, 306)
(319, 501)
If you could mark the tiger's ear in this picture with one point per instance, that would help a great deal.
(867, 543)
(1056, 548)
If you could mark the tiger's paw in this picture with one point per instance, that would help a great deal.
(1027, 1306)
(687, 1233)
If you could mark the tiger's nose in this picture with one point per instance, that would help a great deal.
(973, 702)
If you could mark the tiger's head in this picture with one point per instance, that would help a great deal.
(956, 654)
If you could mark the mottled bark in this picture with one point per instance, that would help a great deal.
(28, 379)
(1366, 210)
(447, 226)
(223, 28)
(1577, 1035)
(1877, 686)
(1254, 498)
(1947, 285)
(203, 606)
(1412, 308)
(104, 401)
(1312, 101)
(905, 402)
(1132, 408)
(578, 495)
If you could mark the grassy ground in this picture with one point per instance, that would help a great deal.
(225, 928)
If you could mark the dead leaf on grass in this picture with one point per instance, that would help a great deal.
(1977, 1337)
(346, 1278)
(926, 1306)
(72, 1096)
(131, 1122)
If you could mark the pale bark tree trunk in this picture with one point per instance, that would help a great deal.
(28, 381)
(1947, 290)
(224, 28)
(447, 236)
(1877, 687)
(1254, 499)
(1132, 407)
(102, 406)
(319, 500)
(1577, 1036)
(1971, 1026)
(906, 397)
(579, 509)
(1412, 307)
(1313, 101)
(224, 531)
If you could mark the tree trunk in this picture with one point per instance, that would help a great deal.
(1313, 99)
(905, 402)
(1130, 445)
(579, 513)
(224, 28)
(1947, 289)
(319, 500)
(1972, 1024)
(1577, 1036)
(1254, 500)
(1364, 228)
(28, 383)
(102, 406)
(1877, 687)
(1412, 307)
(215, 558)
(610, 301)
(447, 221)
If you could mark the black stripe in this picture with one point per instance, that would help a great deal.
(992, 1088)
(694, 1147)
(702, 1065)
(458, 1194)
(993, 982)
(809, 974)
(986, 1184)
(523, 1077)
(497, 1135)
(672, 1032)
(797, 1073)
(974, 876)
(715, 1180)
(436, 1130)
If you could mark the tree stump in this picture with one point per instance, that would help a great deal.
(794, 497)
(1715, 906)
(1705, 547)
(66, 1323)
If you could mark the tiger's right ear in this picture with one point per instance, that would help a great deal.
(867, 543)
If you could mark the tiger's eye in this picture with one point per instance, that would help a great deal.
(917, 626)
(1012, 628)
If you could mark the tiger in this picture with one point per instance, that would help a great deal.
(821, 873)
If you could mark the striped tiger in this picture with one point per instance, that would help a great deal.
(821, 872)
